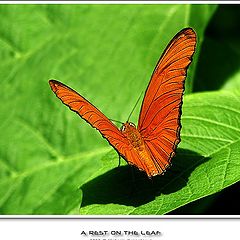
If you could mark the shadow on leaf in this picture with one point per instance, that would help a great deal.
(128, 186)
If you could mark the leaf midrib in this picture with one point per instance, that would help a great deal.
(51, 163)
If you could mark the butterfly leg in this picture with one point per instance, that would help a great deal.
(119, 160)
(133, 186)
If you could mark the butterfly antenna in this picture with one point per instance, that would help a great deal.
(135, 106)
(115, 121)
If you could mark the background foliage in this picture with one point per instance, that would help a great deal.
(52, 162)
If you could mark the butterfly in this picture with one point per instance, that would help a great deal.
(151, 145)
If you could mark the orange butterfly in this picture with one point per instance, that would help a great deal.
(151, 146)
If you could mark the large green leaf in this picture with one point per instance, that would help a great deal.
(208, 161)
(107, 52)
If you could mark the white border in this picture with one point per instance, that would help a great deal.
(170, 229)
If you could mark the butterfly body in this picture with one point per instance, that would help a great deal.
(151, 146)
(136, 142)
(133, 135)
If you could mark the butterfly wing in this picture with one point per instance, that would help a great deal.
(92, 115)
(159, 120)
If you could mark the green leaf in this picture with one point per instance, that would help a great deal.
(208, 160)
(107, 53)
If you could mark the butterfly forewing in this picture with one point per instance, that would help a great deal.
(159, 120)
(91, 114)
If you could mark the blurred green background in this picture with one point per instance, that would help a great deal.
(52, 162)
